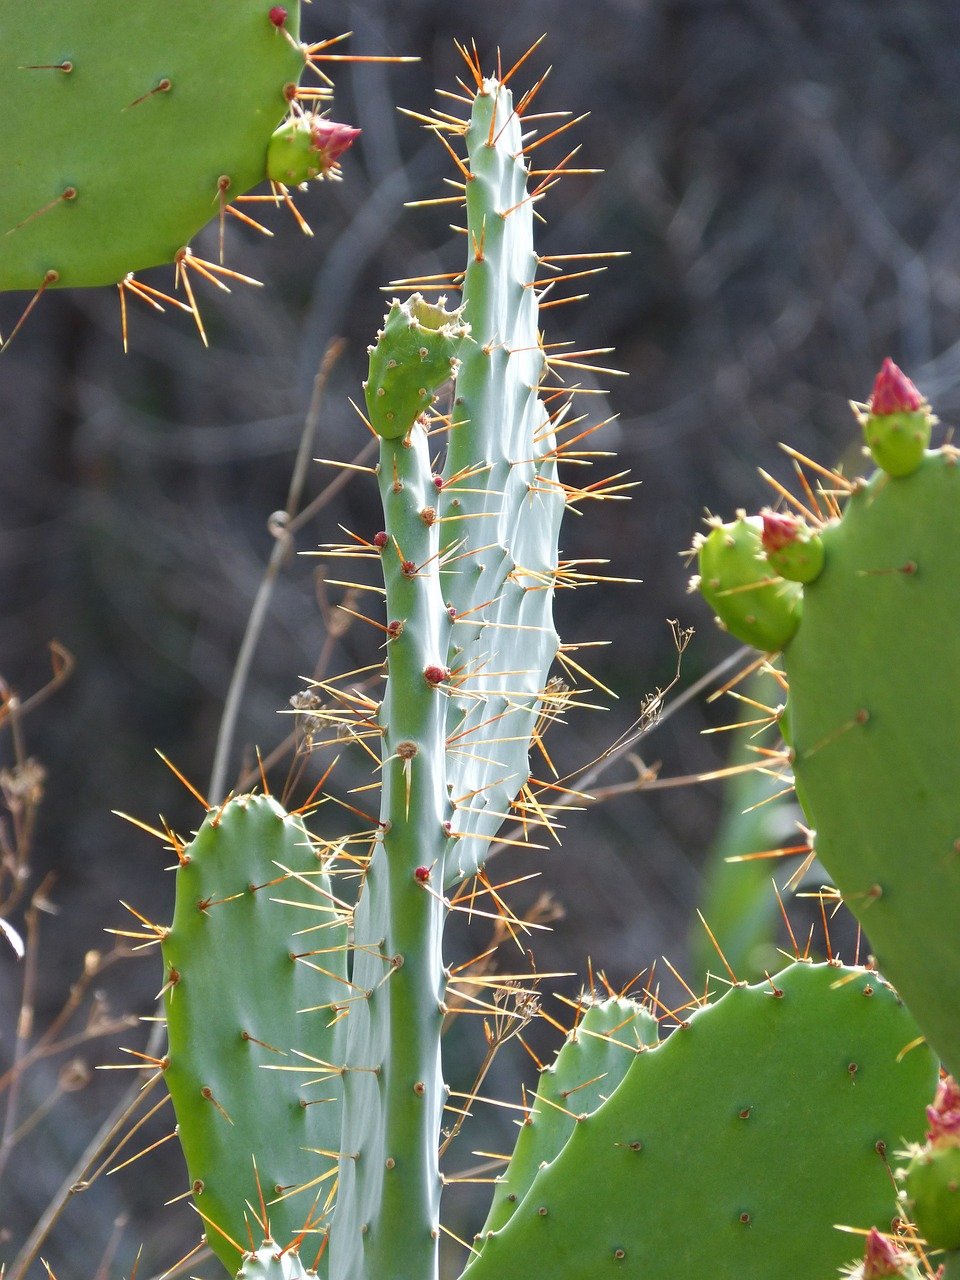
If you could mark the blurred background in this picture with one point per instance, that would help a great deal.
(784, 177)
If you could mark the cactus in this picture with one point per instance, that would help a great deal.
(243, 979)
(271, 1263)
(591, 1063)
(110, 186)
(872, 704)
(154, 119)
(767, 1115)
(457, 714)
(757, 818)
(872, 707)
(706, 1165)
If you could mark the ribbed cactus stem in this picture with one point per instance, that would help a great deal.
(501, 500)
(389, 1196)
(469, 561)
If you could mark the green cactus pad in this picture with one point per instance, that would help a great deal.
(734, 1148)
(238, 1004)
(415, 354)
(270, 1263)
(874, 706)
(119, 122)
(591, 1063)
(932, 1184)
(753, 603)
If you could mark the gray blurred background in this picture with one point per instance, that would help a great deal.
(784, 178)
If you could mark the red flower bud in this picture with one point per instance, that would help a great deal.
(943, 1116)
(381, 539)
(435, 675)
(331, 140)
(893, 392)
(881, 1257)
(421, 874)
(278, 16)
(779, 530)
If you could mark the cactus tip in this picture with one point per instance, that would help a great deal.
(893, 392)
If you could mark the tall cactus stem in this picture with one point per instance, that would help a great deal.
(389, 1196)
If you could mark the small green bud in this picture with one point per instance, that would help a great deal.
(793, 549)
(753, 603)
(898, 422)
(308, 147)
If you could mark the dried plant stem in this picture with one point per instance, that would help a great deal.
(282, 526)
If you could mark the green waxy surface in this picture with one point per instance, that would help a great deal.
(143, 161)
(415, 354)
(590, 1064)
(800, 560)
(239, 1006)
(734, 1149)
(751, 601)
(270, 1263)
(898, 441)
(932, 1184)
(874, 712)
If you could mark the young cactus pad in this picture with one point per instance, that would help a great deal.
(248, 994)
(734, 1148)
(591, 1063)
(752, 601)
(126, 123)
(415, 354)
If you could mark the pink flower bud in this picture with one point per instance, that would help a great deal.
(779, 530)
(893, 392)
(330, 140)
(381, 539)
(943, 1116)
(421, 874)
(881, 1257)
(278, 16)
(435, 675)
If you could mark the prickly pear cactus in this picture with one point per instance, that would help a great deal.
(735, 1147)
(874, 703)
(122, 133)
(591, 1063)
(252, 985)
(469, 560)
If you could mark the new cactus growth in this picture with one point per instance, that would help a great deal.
(270, 1262)
(416, 353)
(932, 1178)
(749, 597)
